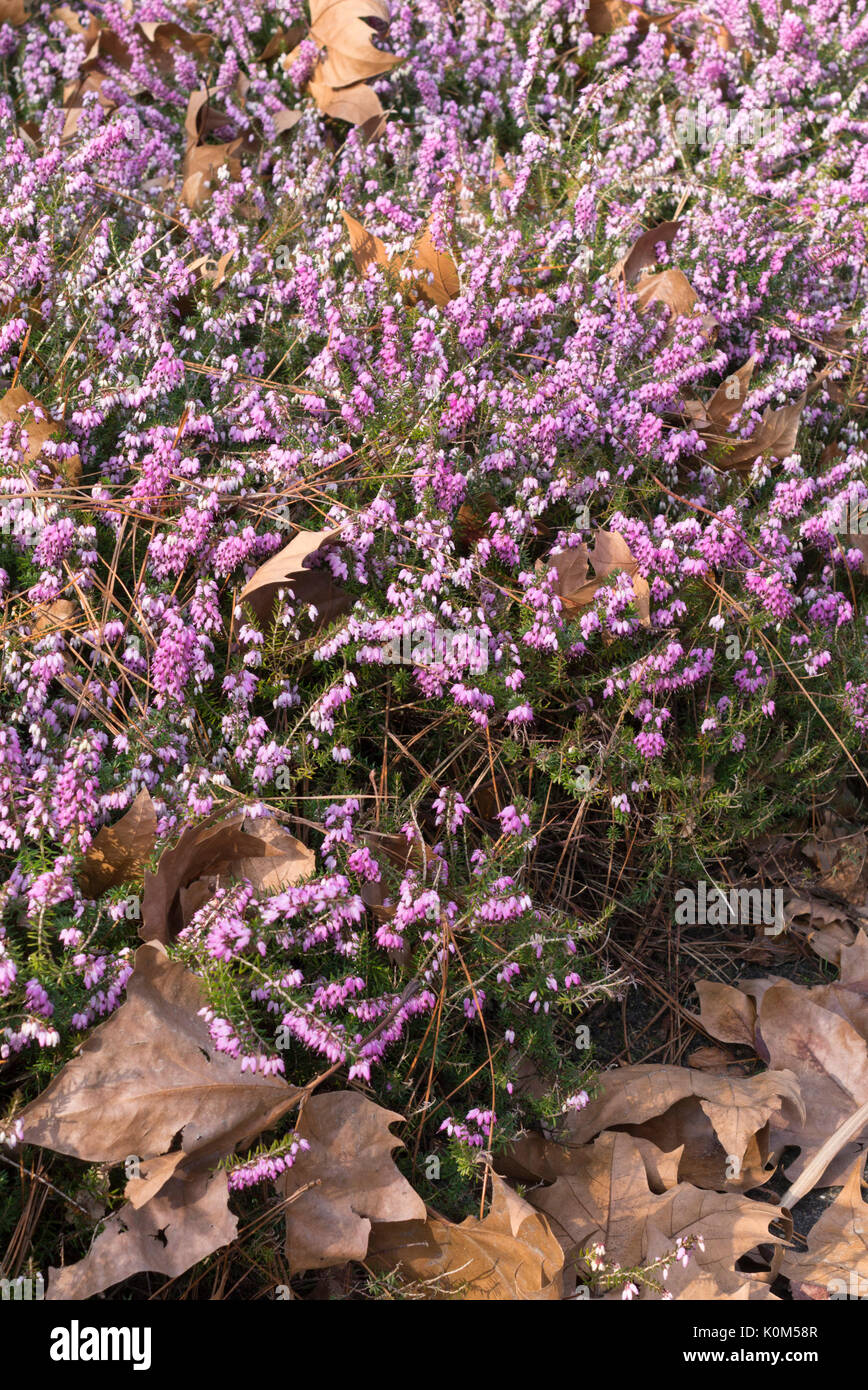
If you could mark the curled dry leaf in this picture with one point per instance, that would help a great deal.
(830, 1059)
(820, 1033)
(714, 419)
(511, 1254)
(211, 270)
(775, 437)
(183, 1223)
(357, 104)
(119, 852)
(357, 1183)
(693, 1281)
(605, 16)
(240, 847)
(434, 272)
(606, 1199)
(711, 1119)
(149, 1072)
(339, 27)
(202, 162)
(19, 405)
(839, 852)
(14, 13)
(836, 1260)
(643, 252)
(288, 570)
(158, 40)
(822, 925)
(670, 288)
(610, 553)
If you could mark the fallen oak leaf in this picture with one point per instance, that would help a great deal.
(350, 1161)
(830, 1059)
(339, 27)
(356, 104)
(837, 1253)
(711, 1118)
(691, 1281)
(288, 570)
(643, 252)
(433, 272)
(188, 874)
(149, 1072)
(119, 852)
(511, 1254)
(183, 1223)
(606, 1200)
(610, 553)
(776, 437)
(37, 431)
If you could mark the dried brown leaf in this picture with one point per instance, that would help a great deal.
(713, 1118)
(185, 1222)
(434, 272)
(119, 852)
(509, 1255)
(610, 553)
(726, 1013)
(670, 288)
(643, 252)
(438, 276)
(288, 570)
(775, 437)
(356, 104)
(18, 404)
(149, 1072)
(606, 1200)
(836, 1260)
(239, 847)
(14, 13)
(830, 1059)
(367, 249)
(339, 27)
(357, 1183)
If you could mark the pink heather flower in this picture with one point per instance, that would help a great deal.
(512, 822)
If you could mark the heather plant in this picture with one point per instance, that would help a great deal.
(196, 373)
